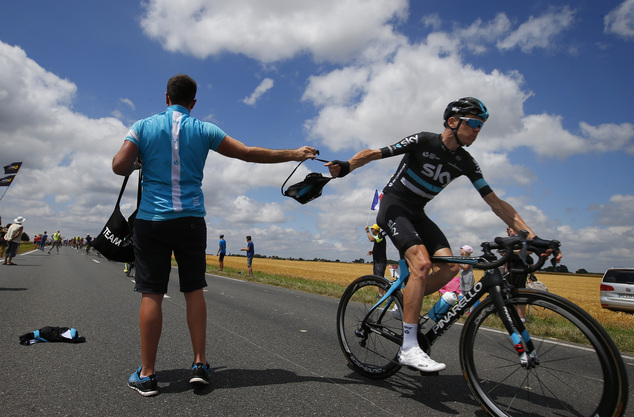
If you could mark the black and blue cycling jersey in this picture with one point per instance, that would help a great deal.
(428, 166)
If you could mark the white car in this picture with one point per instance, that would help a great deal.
(617, 289)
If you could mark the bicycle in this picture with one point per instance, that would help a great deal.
(520, 370)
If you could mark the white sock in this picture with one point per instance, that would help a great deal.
(410, 336)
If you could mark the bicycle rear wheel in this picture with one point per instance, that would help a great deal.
(371, 347)
(581, 376)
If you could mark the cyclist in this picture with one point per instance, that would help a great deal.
(430, 162)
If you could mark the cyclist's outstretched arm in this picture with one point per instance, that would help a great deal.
(342, 168)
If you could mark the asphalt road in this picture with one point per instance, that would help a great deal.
(273, 352)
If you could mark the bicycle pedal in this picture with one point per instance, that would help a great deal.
(429, 373)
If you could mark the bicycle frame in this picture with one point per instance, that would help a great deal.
(492, 283)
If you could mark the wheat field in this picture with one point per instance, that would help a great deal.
(583, 290)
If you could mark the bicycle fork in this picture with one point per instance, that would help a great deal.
(521, 339)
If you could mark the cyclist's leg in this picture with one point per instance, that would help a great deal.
(419, 266)
(412, 233)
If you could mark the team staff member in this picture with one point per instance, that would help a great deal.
(173, 148)
(429, 163)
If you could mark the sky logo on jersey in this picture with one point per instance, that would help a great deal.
(436, 173)
(408, 141)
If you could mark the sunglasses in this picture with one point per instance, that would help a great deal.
(474, 123)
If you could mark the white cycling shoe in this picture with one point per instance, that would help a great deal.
(416, 358)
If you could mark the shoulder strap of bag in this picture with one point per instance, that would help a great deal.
(138, 194)
(125, 182)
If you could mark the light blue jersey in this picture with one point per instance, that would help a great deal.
(173, 139)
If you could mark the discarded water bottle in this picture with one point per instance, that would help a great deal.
(443, 305)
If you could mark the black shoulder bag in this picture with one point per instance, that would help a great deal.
(115, 240)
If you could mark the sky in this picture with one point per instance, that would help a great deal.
(341, 76)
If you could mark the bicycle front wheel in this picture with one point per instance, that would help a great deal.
(579, 371)
(371, 346)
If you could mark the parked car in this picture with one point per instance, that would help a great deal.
(617, 289)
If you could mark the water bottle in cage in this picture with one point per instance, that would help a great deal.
(443, 305)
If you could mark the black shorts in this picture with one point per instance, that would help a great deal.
(517, 280)
(154, 242)
(407, 225)
(221, 257)
(379, 268)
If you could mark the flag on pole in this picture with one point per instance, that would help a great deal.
(377, 200)
(13, 168)
(6, 181)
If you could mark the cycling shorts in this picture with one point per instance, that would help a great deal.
(407, 225)
(154, 242)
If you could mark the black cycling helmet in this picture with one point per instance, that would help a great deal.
(466, 105)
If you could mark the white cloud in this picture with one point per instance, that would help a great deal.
(609, 137)
(620, 21)
(264, 86)
(128, 102)
(619, 211)
(247, 210)
(66, 155)
(479, 34)
(539, 32)
(272, 31)
(602, 246)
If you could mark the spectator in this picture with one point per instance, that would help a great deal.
(14, 237)
(467, 281)
(3, 242)
(43, 241)
(379, 249)
(222, 251)
(250, 249)
(517, 280)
